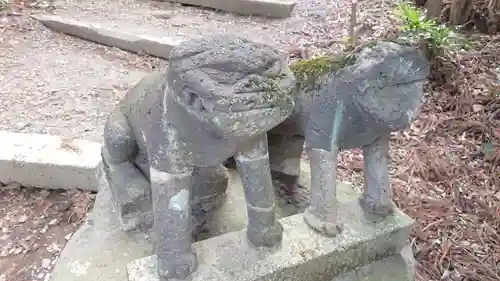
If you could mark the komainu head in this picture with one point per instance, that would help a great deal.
(241, 86)
(379, 90)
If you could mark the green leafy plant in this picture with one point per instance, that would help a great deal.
(440, 40)
(4, 4)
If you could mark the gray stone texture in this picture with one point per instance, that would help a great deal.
(217, 98)
(392, 268)
(100, 250)
(358, 106)
(398, 267)
(132, 41)
(378, 90)
(304, 254)
(265, 8)
(223, 96)
(47, 161)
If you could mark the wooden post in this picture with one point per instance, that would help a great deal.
(494, 16)
(434, 9)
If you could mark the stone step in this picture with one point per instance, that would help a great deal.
(303, 254)
(132, 39)
(47, 161)
(266, 8)
(153, 27)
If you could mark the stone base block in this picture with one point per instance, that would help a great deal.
(394, 268)
(364, 244)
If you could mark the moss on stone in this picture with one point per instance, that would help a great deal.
(309, 71)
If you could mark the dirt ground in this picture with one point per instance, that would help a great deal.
(35, 225)
(51, 83)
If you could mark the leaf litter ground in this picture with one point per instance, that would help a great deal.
(445, 170)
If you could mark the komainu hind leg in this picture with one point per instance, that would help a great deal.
(207, 194)
(285, 154)
(129, 187)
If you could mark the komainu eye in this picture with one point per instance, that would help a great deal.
(208, 105)
(188, 97)
(193, 101)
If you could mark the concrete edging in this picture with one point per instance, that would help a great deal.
(110, 36)
(265, 8)
(47, 161)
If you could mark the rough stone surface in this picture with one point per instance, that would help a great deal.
(393, 268)
(375, 90)
(303, 255)
(378, 89)
(266, 8)
(133, 41)
(398, 267)
(100, 250)
(217, 98)
(47, 161)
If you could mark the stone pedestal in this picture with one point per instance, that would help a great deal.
(101, 251)
(365, 250)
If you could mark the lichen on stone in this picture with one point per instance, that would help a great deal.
(268, 83)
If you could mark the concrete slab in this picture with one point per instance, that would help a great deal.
(100, 251)
(47, 161)
(304, 255)
(135, 40)
(266, 8)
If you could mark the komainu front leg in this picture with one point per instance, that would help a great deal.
(321, 215)
(285, 153)
(377, 195)
(207, 194)
(172, 223)
(253, 166)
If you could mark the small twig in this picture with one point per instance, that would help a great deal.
(431, 224)
(352, 30)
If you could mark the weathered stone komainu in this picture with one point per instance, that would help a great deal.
(343, 103)
(165, 142)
